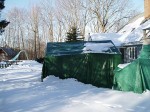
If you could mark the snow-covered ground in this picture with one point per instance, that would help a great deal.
(22, 91)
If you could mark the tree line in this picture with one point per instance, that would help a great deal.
(50, 20)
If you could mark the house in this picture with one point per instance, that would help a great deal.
(130, 51)
(135, 76)
(7, 53)
(139, 28)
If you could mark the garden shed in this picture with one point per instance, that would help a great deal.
(90, 62)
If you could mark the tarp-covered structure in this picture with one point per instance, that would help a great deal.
(90, 62)
(136, 75)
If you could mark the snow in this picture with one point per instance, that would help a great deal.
(147, 26)
(98, 48)
(2, 62)
(133, 25)
(114, 37)
(123, 65)
(22, 91)
(132, 32)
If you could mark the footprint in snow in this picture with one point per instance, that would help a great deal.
(108, 105)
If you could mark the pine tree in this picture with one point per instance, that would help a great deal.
(72, 34)
(3, 23)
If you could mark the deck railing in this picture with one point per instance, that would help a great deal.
(6, 64)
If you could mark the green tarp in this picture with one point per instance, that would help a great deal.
(136, 76)
(95, 69)
(67, 60)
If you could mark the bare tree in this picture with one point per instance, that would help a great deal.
(48, 17)
(73, 13)
(69, 10)
(15, 32)
(51, 20)
(108, 12)
(60, 27)
(85, 16)
(34, 25)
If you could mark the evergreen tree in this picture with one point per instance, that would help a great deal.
(3, 23)
(72, 34)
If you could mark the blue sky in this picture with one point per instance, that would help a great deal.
(27, 3)
(139, 4)
(19, 3)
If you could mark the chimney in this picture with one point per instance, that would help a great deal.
(147, 9)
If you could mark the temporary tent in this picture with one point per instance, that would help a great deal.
(90, 62)
(136, 76)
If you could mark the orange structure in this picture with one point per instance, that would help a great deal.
(147, 9)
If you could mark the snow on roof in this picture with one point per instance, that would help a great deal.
(132, 32)
(133, 25)
(9, 51)
(147, 26)
(107, 36)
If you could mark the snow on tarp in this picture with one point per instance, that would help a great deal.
(123, 65)
(67, 48)
(105, 46)
(97, 48)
